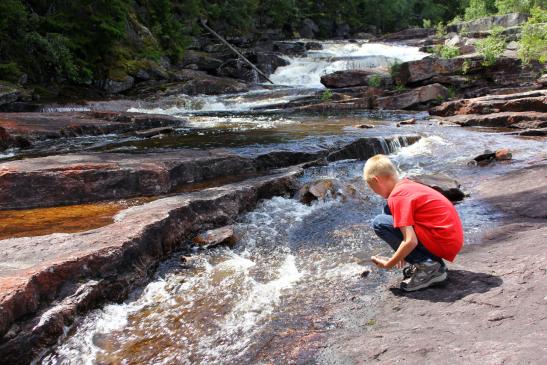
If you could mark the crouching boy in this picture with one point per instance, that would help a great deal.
(419, 223)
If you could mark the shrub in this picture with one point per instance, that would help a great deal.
(440, 30)
(375, 81)
(465, 67)
(394, 69)
(326, 95)
(400, 87)
(426, 23)
(533, 41)
(492, 46)
(444, 51)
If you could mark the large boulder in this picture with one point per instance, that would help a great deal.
(351, 78)
(485, 24)
(412, 98)
(111, 86)
(9, 93)
(193, 82)
(204, 61)
(417, 71)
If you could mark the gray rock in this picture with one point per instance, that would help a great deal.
(445, 185)
(9, 93)
(485, 24)
(412, 98)
(116, 86)
(308, 29)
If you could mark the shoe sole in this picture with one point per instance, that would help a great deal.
(434, 280)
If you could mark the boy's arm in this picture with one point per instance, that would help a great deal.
(410, 241)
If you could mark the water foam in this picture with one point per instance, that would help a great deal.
(337, 56)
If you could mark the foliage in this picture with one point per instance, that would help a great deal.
(533, 42)
(394, 69)
(466, 65)
(400, 87)
(10, 72)
(492, 46)
(375, 81)
(514, 6)
(427, 23)
(440, 30)
(326, 95)
(451, 92)
(479, 8)
(445, 51)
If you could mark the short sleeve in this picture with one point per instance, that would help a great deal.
(401, 209)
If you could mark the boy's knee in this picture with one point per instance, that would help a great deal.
(381, 222)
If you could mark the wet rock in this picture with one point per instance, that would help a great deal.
(542, 80)
(290, 48)
(365, 148)
(412, 98)
(365, 273)
(540, 132)
(445, 185)
(363, 126)
(317, 190)
(485, 24)
(411, 121)
(314, 46)
(204, 61)
(503, 154)
(8, 141)
(37, 272)
(149, 133)
(116, 86)
(215, 237)
(351, 78)
(488, 157)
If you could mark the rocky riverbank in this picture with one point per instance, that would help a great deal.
(491, 311)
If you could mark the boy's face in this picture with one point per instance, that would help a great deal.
(381, 185)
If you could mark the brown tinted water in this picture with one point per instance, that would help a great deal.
(65, 219)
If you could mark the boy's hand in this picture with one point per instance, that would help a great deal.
(382, 262)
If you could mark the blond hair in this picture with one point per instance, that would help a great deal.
(379, 165)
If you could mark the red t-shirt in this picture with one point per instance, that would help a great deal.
(434, 218)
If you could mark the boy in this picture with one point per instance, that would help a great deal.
(419, 223)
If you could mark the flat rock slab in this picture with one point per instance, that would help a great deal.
(79, 178)
(54, 125)
(503, 119)
(36, 271)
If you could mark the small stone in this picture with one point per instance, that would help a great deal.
(364, 126)
(407, 121)
(214, 237)
(503, 154)
(365, 273)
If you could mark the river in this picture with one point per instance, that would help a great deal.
(270, 298)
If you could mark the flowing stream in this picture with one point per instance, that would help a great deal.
(271, 296)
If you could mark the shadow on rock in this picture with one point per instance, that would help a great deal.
(460, 283)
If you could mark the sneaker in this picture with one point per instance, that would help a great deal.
(408, 271)
(423, 275)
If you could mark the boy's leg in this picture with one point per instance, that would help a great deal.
(383, 226)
